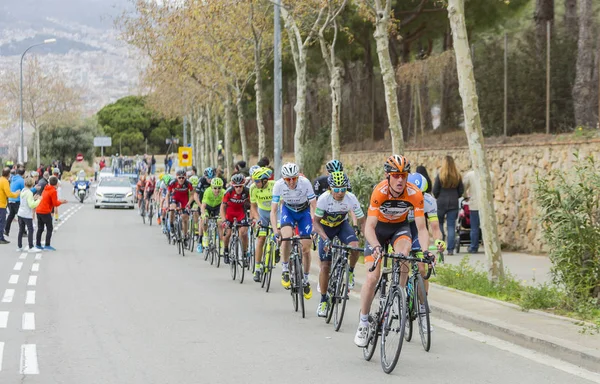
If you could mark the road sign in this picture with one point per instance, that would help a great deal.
(79, 157)
(185, 156)
(102, 141)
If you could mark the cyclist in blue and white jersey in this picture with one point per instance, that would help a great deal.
(297, 198)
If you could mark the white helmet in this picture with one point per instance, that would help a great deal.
(289, 170)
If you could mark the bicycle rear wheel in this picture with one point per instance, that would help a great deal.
(374, 327)
(421, 308)
(408, 331)
(266, 260)
(341, 297)
(392, 331)
(269, 275)
(293, 283)
(181, 237)
(207, 251)
(150, 212)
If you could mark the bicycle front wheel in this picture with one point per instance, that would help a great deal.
(392, 332)
(150, 213)
(341, 297)
(233, 257)
(240, 260)
(300, 281)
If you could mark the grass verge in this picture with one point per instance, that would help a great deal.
(545, 297)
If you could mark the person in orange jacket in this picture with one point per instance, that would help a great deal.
(44, 214)
(5, 193)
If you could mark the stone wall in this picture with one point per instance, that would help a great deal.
(514, 168)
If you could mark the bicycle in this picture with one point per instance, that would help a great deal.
(236, 256)
(142, 209)
(392, 307)
(296, 272)
(269, 251)
(178, 226)
(192, 231)
(251, 256)
(150, 210)
(214, 243)
(416, 298)
(338, 284)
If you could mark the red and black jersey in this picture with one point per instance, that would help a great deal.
(180, 192)
(236, 203)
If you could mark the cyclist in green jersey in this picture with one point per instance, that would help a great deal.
(261, 194)
(194, 180)
(211, 204)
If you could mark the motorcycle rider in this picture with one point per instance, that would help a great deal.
(81, 180)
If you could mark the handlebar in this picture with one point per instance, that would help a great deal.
(295, 238)
(399, 256)
(347, 247)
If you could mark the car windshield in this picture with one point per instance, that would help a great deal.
(114, 183)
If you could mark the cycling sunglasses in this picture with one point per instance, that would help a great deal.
(397, 175)
(181, 178)
(288, 179)
(339, 190)
(216, 188)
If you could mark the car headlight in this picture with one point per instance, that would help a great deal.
(129, 194)
(99, 194)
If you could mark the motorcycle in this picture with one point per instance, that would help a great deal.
(82, 191)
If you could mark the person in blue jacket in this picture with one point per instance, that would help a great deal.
(16, 184)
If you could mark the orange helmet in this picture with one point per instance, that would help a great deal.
(396, 163)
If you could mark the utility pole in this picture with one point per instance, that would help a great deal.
(277, 118)
(505, 83)
(548, 77)
(185, 130)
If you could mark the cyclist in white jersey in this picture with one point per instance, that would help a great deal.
(297, 198)
(331, 220)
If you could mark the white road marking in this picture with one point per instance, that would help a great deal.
(35, 267)
(30, 298)
(18, 266)
(14, 279)
(3, 319)
(28, 323)
(1, 354)
(520, 351)
(38, 256)
(8, 296)
(32, 280)
(29, 364)
(22, 256)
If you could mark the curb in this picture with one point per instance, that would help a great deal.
(547, 344)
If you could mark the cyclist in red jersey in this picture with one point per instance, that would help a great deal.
(139, 190)
(149, 190)
(235, 201)
(178, 195)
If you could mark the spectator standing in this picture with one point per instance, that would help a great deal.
(25, 216)
(472, 192)
(5, 194)
(56, 173)
(44, 213)
(153, 165)
(447, 188)
(102, 163)
(16, 184)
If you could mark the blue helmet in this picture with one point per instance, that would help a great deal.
(209, 172)
(418, 180)
(334, 166)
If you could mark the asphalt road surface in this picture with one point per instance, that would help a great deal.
(117, 304)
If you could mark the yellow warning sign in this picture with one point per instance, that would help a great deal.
(185, 156)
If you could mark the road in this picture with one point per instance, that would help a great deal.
(117, 304)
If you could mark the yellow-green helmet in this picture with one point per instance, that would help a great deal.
(337, 180)
(216, 182)
(263, 173)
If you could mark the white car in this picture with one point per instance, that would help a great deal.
(114, 192)
(105, 172)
